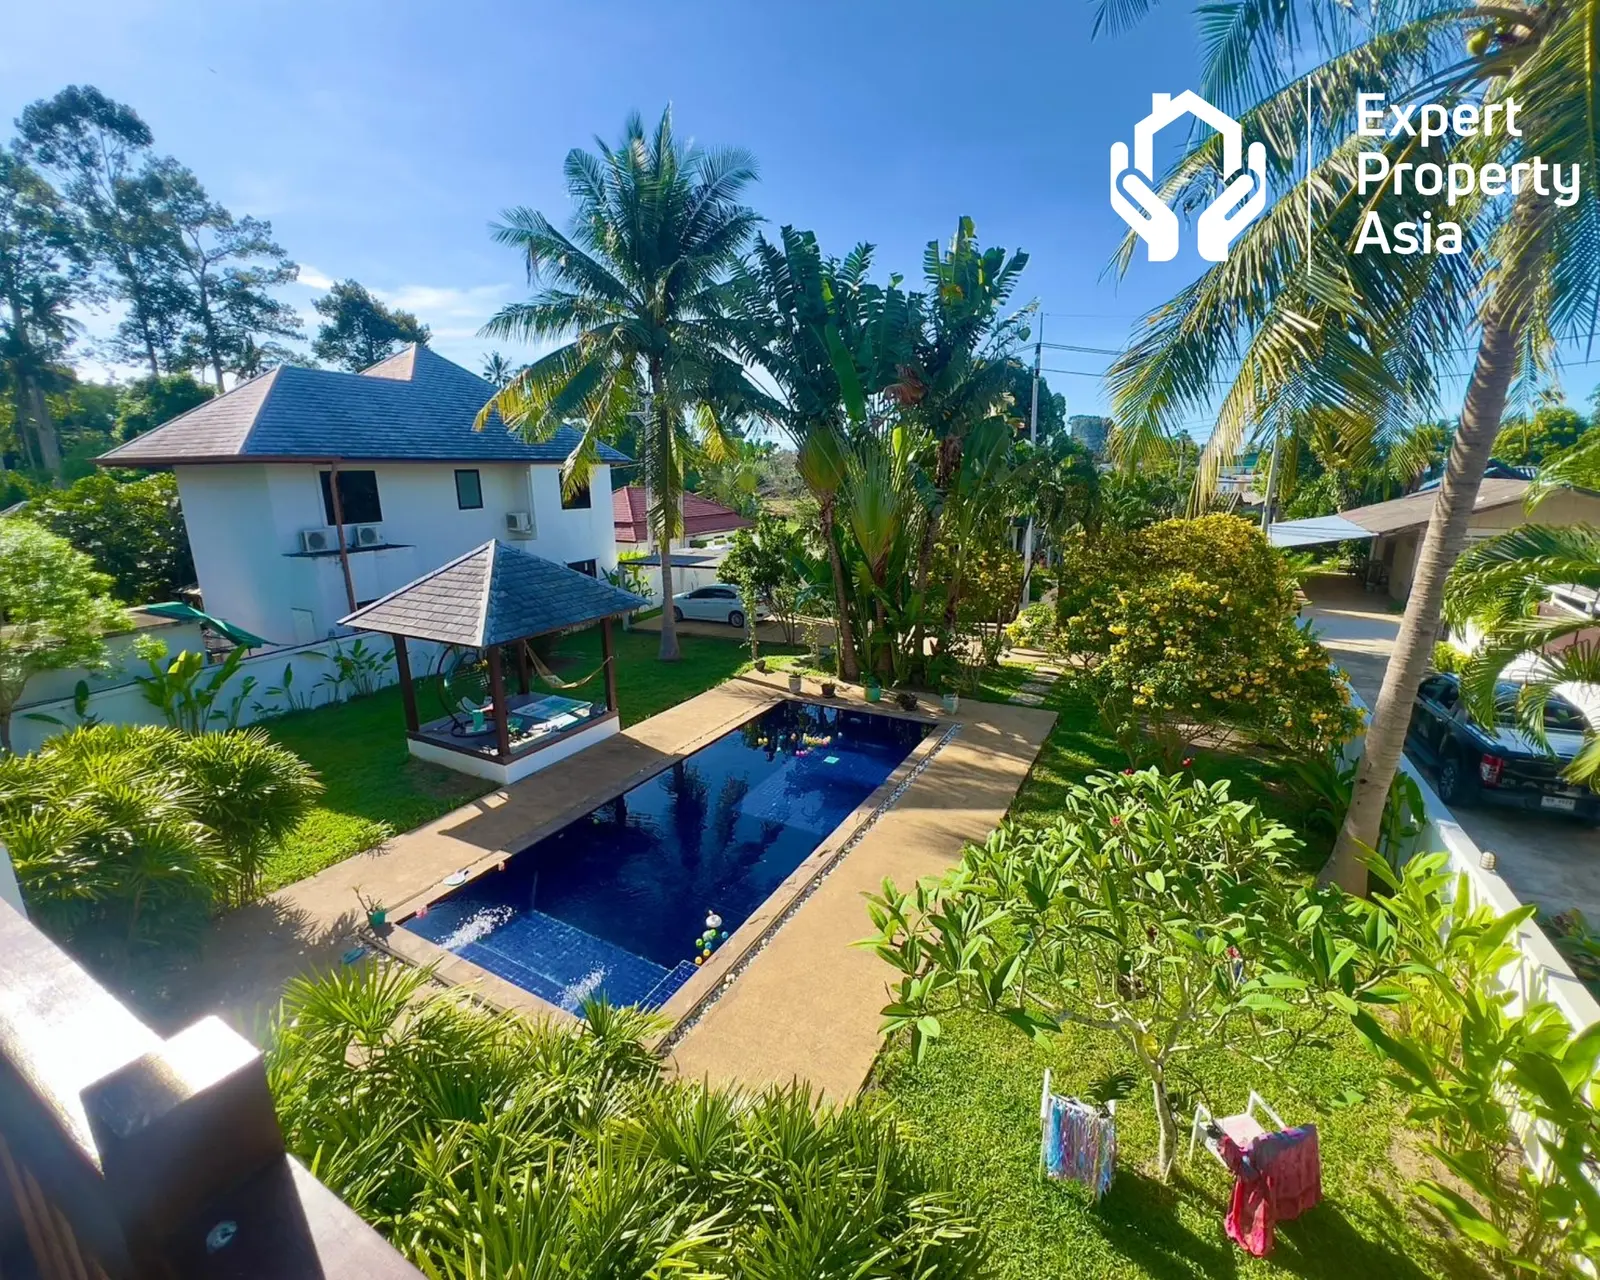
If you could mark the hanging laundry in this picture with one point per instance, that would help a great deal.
(1277, 1177)
(1079, 1142)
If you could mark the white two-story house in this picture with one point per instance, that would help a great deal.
(270, 473)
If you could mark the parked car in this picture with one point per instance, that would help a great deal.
(1498, 764)
(717, 603)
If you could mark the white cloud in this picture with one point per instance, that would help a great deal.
(312, 278)
(477, 302)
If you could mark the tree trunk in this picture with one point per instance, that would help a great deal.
(1442, 544)
(669, 623)
(49, 442)
(1167, 1146)
(849, 664)
(5, 731)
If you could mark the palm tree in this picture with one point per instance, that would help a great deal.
(637, 290)
(496, 369)
(1289, 323)
(1500, 585)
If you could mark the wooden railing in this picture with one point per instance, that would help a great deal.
(124, 1155)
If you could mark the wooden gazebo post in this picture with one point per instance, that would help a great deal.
(497, 691)
(610, 664)
(408, 691)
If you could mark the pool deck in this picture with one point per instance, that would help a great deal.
(806, 1006)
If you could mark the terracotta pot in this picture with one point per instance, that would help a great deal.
(827, 688)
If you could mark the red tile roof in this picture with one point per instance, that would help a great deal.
(701, 516)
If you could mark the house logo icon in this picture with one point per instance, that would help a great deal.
(1242, 198)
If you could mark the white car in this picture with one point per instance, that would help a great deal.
(717, 603)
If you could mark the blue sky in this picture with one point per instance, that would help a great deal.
(383, 139)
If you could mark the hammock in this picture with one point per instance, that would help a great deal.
(551, 678)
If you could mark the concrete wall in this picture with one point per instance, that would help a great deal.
(122, 701)
(244, 524)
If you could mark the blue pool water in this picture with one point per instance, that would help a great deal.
(614, 902)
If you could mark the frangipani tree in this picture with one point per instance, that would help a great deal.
(1141, 912)
(1295, 319)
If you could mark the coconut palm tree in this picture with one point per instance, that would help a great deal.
(496, 370)
(636, 292)
(1500, 584)
(1293, 321)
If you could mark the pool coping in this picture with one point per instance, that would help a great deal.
(701, 990)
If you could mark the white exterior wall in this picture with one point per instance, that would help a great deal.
(244, 523)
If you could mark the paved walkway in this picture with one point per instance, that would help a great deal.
(1552, 861)
(808, 1007)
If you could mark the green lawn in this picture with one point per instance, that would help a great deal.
(374, 788)
(975, 1101)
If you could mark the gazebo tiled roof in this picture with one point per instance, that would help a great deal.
(493, 595)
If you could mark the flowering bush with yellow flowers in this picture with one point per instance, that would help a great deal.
(1187, 632)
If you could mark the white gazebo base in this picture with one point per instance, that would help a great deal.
(503, 773)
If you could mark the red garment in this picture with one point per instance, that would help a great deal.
(1276, 1179)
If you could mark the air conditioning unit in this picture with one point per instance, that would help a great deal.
(323, 539)
(519, 524)
(367, 535)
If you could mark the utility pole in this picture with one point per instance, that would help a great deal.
(1033, 437)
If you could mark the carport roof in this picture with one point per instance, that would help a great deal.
(1409, 512)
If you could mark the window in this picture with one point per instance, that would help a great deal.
(1441, 689)
(585, 566)
(358, 497)
(469, 490)
(578, 500)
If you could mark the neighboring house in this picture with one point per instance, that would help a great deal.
(270, 472)
(703, 521)
(1396, 528)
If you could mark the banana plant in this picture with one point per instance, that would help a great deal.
(174, 687)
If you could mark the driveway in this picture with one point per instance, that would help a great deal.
(1552, 861)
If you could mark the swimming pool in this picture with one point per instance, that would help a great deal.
(617, 902)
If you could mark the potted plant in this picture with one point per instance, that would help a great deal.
(794, 682)
(377, 913)
(906, 699)
(874, 690)
(951, 700)
(827, 688)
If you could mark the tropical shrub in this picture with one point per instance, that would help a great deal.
(1189, 630)
(174, 687)
(1450, 659)
(986, 576)
(358, 669)
(484, 1145)
(1142, 911)
(1471, 1056)
(125, 838)
(1034, 627)
(54, 611)
(768, 565)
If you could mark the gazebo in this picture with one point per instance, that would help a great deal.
(480, 610)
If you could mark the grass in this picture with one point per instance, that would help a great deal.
(373, 787)
(975, 1101)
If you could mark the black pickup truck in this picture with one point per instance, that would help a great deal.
(1501, 764)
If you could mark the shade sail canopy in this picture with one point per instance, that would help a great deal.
(180, 612)
(494, 594)
(1308, 533)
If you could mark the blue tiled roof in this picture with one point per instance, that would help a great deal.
(413, 407)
